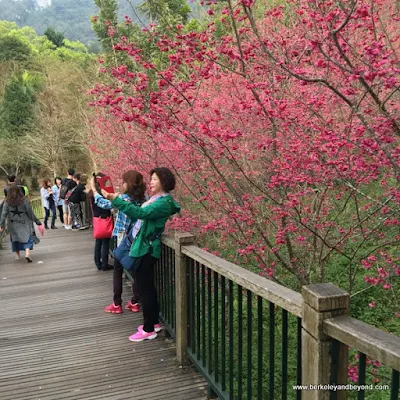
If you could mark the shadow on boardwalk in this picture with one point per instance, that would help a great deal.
(57, 343)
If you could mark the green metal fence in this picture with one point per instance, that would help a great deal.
(368, 386)
(3, 233)
(165, 284)
(249, 338)
(239, 341)
(37, 208)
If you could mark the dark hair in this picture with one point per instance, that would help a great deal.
(166, 178)
(11, 178)
(82, 179)
(77, 176)
(45, 183)
(14, 196)
(135, 185)
(55, 179)
(71, 171)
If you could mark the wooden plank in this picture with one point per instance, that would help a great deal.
(56, 342)
(168, 240)
(375, 343)
(325, 297)
(281, 296)
(181, 297)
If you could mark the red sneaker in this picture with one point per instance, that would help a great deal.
(113, 309)
(132, 307)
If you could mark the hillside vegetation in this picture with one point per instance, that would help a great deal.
(44, 118)
(70, 17)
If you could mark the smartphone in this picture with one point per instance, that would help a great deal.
(105, 183)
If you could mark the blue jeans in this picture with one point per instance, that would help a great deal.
(47, 215)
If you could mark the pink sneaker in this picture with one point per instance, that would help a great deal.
(133, 307)
(157, 328)
(113, 309)
(141, 335)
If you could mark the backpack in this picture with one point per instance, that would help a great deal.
(68, 194)
(64, 188)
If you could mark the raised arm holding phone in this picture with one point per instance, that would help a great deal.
(150, 219)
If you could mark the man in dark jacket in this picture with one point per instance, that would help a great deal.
(13, 180)
(67, 184)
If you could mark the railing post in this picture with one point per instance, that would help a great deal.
(181, 239)
(321, 301)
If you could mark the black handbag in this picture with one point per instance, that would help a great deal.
(35, 239)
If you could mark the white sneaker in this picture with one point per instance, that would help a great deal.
(68, 227)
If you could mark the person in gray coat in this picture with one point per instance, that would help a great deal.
(20, 216)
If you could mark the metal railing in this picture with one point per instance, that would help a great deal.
(37, 208)
(165, 284)
(367, 341)
(254, 339)
(238, 340)
(3, 233)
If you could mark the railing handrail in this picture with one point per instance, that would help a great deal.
(282, 296)
(373, 342)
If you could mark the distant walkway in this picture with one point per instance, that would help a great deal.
(57, 343)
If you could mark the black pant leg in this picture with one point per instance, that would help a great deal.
(97, 253)
(135, 292)
(144, 276)
(104, 252)
(117, 282)
(46, 215)
(61, 213)
(54, 216)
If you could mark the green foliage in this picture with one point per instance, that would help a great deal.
(193, 25)
(161, 11)
(13, 49)
(42, 105)
(17, 108)
(107, 19)
(69, 17)
(57, 38)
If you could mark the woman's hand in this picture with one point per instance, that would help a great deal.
(109, 196)
(92, 183)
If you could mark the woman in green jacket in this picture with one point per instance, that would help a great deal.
(150, 219)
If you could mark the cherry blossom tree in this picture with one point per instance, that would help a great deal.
(283, 133)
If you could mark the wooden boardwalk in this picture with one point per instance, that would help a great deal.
(56, 342)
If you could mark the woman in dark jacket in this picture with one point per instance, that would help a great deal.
(75, 196)
(101, 246)
(20, 216)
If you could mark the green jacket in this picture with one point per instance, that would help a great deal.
(154, 217)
